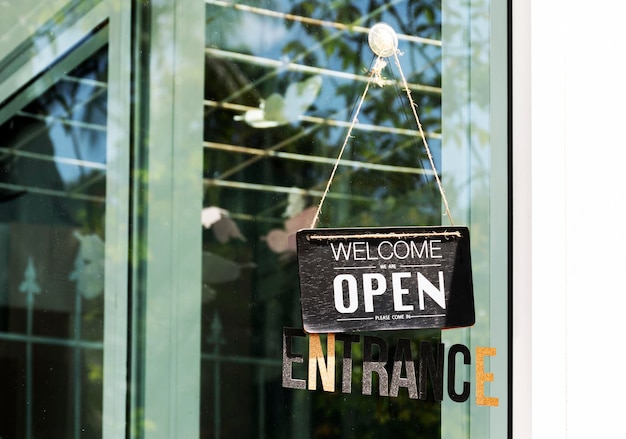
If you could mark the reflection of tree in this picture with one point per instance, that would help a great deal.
(24, 204)
(42, 206)
(29, 162)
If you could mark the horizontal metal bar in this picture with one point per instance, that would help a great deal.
(282, 144)
(316, 159)
(282, 189)
(64, 121)
(51, 192)
(267, 62)
(52, 158)
(256, 218)
(268, 362)
(331, 122)
(316, 22)
(51, 341)
(85, 81)
(33, 133)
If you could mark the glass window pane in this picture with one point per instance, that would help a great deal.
(52, 214)
(283, 81)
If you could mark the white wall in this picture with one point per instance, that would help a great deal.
(569, 151)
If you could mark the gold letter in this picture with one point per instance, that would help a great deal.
(316, 356)
(482, 376)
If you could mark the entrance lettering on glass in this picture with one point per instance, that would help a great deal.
(411, 368)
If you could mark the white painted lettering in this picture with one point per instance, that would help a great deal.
(397, 248)
(369, 291)
(353, 300)
(357, 250)
(419, 252)
(398, 291)
(370, 257)
(380, 252)
(425, 286)
(386, 250)
(340, 249)
(433, 249)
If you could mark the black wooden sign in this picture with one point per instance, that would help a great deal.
(385, 278)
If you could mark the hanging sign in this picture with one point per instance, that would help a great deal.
(385, 278)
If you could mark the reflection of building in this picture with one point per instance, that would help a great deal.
(126, 312)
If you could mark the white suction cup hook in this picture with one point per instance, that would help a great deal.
(383, 40)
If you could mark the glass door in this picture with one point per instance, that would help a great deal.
(283, 82)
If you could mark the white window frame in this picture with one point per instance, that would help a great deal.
(478, 169)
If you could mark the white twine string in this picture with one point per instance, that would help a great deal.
(423, 136)
(343, 147)
(375, 75)
(402, 235)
